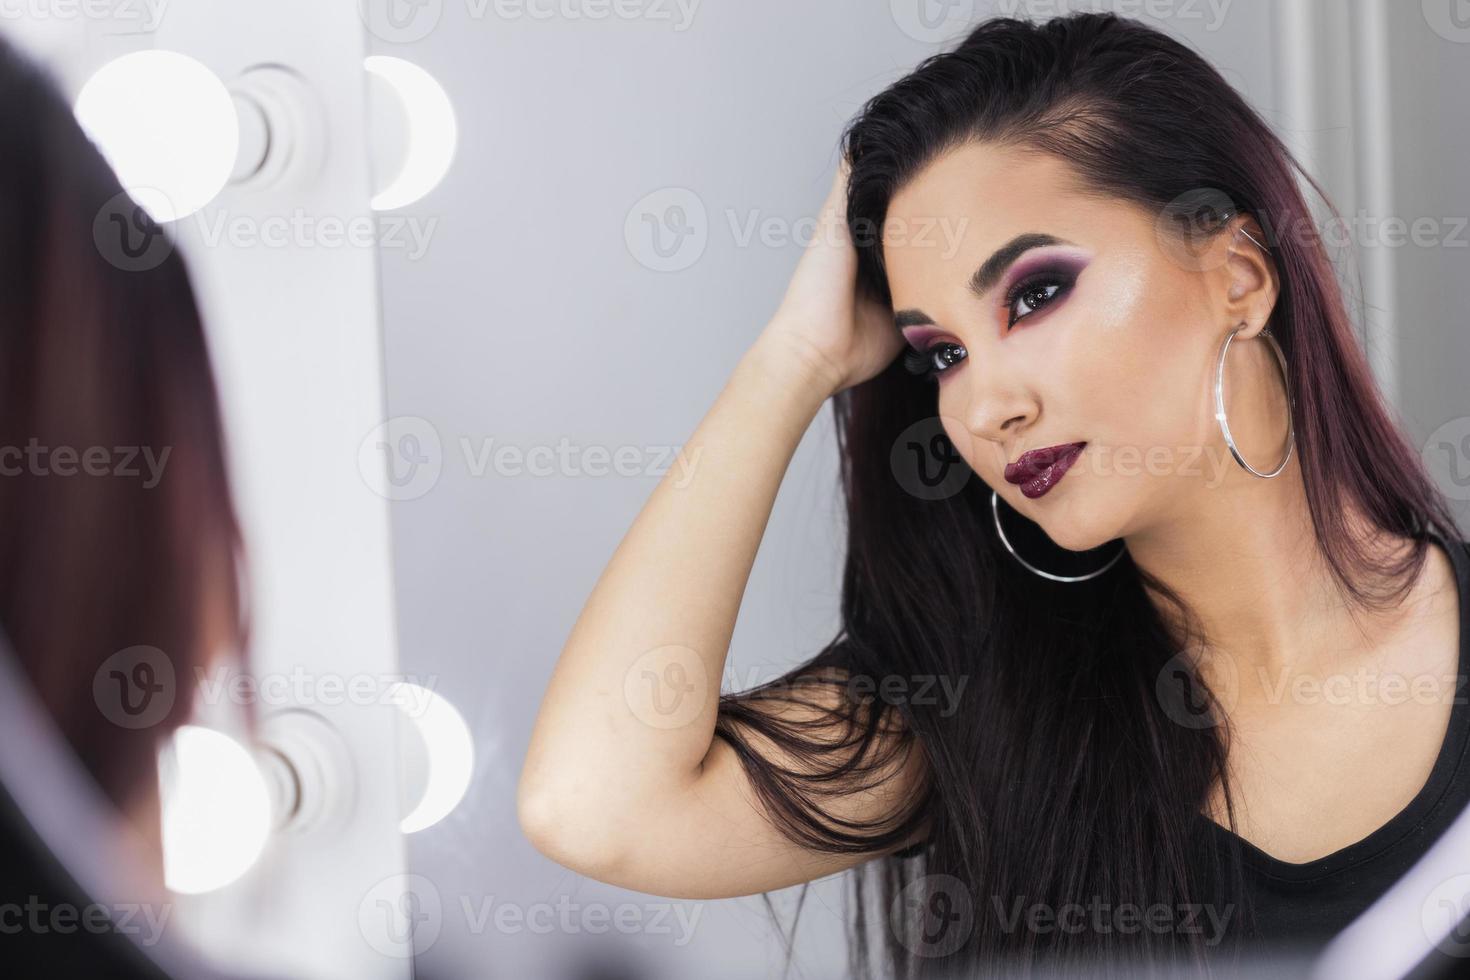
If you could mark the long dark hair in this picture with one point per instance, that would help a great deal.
(1064, 775)
(103, 354)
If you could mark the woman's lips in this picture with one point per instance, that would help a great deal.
(1038, 470)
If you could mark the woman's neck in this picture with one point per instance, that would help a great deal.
(1248, 563)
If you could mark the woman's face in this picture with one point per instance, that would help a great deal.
(1106, 336)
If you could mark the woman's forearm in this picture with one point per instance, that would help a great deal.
(630, 710)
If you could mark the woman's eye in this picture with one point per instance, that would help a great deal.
(1023, 299)
(1031, 295)
(933, 361)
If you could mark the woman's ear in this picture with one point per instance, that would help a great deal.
(1247, 282)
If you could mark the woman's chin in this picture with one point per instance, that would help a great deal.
(1079, 532)
(1079, 540)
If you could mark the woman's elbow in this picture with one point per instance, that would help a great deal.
(562, 825)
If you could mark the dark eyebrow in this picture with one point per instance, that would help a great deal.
(989, 272)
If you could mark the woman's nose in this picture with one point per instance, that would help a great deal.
(997, 406)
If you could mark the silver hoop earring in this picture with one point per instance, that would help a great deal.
(1000, 531)
(1255, 240)
(1220, 404)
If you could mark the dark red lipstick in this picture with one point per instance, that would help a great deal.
(1038, 470)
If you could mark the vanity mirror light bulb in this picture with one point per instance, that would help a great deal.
(167, 126)
(436, 755)
(405, 99)
(216, 810)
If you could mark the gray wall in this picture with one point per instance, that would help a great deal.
(1428, 81)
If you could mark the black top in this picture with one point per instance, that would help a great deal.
(1304, 905)
(1296, 908)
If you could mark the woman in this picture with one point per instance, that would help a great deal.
(1125, 595)
(120, 555)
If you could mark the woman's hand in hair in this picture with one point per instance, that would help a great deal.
(843, 335)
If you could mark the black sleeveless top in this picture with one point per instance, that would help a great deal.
(1299, 907)
(1294, 909)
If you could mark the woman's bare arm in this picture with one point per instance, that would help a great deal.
(624, 780)
(608, 791)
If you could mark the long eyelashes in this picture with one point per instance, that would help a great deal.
(1032, 293)
(1035, 291)
(925, 362)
